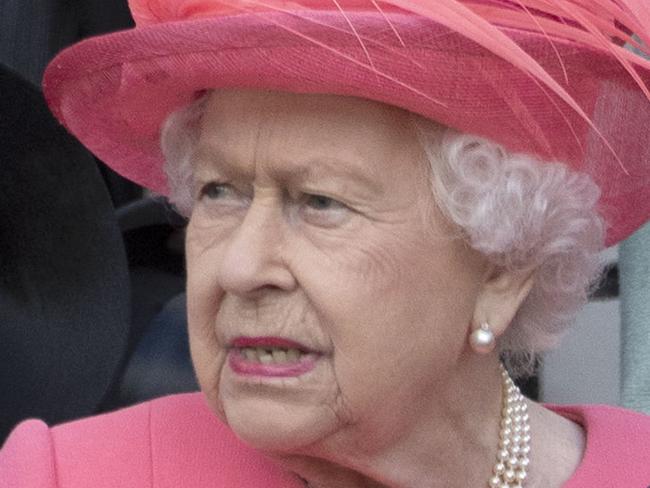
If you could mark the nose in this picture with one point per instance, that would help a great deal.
(253, 257)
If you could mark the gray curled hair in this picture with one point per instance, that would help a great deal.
(519, 212)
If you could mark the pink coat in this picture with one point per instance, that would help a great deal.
(176, 442)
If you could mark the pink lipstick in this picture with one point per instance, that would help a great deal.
(270, 357)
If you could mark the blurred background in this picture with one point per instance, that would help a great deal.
(92, 303)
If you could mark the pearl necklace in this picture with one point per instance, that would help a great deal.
(510, 470)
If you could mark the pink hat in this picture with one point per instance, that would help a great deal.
(547, 77)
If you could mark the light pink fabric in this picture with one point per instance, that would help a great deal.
(176, 442)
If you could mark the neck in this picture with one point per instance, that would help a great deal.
(451, 441)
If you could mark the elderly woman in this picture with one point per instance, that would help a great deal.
(384, 203)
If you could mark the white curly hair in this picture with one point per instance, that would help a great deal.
(518, 211)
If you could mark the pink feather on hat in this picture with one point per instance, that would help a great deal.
(548, 77)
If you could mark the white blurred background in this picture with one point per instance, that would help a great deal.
(585, 368)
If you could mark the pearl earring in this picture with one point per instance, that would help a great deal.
(482, 339)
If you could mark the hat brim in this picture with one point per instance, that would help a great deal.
(114, 92)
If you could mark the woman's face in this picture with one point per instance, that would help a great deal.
(328, 304)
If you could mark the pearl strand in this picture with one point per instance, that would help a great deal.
(511, 468)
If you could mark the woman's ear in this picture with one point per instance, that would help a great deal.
(500, 296)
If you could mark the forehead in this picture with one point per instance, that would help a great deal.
(288, 131)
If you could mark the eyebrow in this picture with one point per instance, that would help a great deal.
(326, 167)
(300, 172)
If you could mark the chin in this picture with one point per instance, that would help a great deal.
(275, 426)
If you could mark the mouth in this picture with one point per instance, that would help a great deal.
(270, 357)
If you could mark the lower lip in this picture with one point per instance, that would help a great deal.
(240, 365)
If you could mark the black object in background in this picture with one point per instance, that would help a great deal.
(64, 285)
(33, 31)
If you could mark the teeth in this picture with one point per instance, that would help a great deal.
(249, 354)
(271, 355)
(279, 356)
(264, 356)
(293, 355)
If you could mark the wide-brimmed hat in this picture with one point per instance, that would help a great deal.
(547, 77)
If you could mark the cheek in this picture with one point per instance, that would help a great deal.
(203, 301)
(396, 310)
(381, 274)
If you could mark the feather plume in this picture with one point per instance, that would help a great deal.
(601, 33)
(602, 25)
(594, 23)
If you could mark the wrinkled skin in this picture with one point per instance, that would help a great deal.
(314, 220)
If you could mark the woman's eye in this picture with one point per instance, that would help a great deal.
(320, 202)
(214, 190)
(324, 211)
(222, 197)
